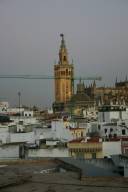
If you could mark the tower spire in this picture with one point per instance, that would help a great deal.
(63, 55)
(62, 41)
(94, 83)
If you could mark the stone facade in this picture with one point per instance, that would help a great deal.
(80, 101)
(118, 94)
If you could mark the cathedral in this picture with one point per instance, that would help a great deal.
(66, 99)
(118, 94)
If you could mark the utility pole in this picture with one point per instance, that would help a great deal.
(19, 95)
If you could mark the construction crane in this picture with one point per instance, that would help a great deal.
(47, 77)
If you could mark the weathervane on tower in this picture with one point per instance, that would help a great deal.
(62, 35)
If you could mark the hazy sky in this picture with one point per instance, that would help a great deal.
(96, 34)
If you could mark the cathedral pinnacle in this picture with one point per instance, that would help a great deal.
(126, 79)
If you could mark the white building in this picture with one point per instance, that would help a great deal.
(12, 151)
(22, 137)
(28, 113)
(112, 113)
(60, 130)
(24, 120)
(111, 148)
(108, 130)
(113, 121)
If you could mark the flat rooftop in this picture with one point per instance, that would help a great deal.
(32, 176)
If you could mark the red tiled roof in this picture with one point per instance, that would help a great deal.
(119, 138)
(89, 140)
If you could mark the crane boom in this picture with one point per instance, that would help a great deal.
(47, 77)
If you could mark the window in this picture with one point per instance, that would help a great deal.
(93, 155)
(123, 132)
(65, 58)
(111, 129)
(62, 72)
(103, 117)
(66, 71)
(99, 127)
(126, 151)
(105, 130)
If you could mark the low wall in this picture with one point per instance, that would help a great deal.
(55, 152)
(20, 161)
(9, 151)
(69, 167)
(106, 181)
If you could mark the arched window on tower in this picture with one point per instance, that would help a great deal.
(66, 71)
(65, 58)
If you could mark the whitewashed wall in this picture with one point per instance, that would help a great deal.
(116, 130)
(60, 131)
(109, 115)
(48, 152)
(115, 115)
(4, 129)
(125, 114)
(26, 120)
(4, 137)
(111, 148)
(22, 137)
(9, 151)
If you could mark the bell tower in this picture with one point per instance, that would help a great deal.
(63, 55)
(63, 73)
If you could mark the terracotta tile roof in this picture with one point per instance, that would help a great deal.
(86, 140)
